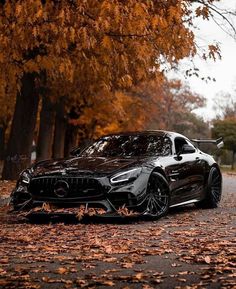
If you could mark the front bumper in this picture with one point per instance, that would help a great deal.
(102, 195)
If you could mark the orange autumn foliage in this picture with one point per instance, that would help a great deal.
(91, 51)
(95, 45)
(150, 105)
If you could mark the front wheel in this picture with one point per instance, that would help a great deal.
(156, 200)
(213, 190)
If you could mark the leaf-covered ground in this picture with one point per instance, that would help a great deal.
(189, 248)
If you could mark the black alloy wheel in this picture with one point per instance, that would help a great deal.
(156, 200)
(213, 190)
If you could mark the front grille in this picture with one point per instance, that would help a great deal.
(77, 187)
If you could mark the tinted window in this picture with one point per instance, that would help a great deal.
(130, 145)
(179, 142)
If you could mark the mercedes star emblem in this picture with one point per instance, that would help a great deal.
(61, 189)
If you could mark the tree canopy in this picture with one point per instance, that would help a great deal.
(90, 54)
(111, 43)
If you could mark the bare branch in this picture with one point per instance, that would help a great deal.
(218, 11)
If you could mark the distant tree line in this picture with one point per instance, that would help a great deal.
(225, 124)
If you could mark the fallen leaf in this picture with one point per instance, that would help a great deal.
(61, 270)
(207, 259)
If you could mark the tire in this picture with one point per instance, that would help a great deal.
(157, 197)
(213, 190)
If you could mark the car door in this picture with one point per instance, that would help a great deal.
(185, 172)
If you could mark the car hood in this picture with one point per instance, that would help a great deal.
(85, 165)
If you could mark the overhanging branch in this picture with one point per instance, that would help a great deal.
(216, 10)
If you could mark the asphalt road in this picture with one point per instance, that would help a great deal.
(189, 248)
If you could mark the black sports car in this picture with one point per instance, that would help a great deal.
(147, 172)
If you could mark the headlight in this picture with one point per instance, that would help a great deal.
(126, 176)
(25, 177)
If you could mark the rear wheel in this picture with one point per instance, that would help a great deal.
(213, 190)
(156, 201)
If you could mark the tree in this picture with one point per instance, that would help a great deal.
(8, 92)
(150, 105)
(22, 132)
(192, 126)
(45, 138)
(167, 102)
(6, 111)
(227, 129)
(225, 106)
(24, 57)
(111, 113)
(59, 129)
(93, 45)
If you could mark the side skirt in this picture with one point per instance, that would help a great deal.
(185, 203)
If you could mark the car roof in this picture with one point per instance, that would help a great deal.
(146, 132)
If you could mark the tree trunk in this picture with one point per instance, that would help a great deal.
(233, 160)
(70, 138)
(45, 139)
(59, 131)
(18, 155)
(2, 142)
(71, 131)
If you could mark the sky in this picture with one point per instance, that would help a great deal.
(224, 70)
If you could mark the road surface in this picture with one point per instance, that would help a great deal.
(189, 248)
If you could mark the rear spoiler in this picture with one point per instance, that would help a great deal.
(218, 142)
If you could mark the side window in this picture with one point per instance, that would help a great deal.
(167, 147)
(179, 142)
(190, 144)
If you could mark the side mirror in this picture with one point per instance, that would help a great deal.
(187, 149)
(75, 152)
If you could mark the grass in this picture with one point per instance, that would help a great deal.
(227, 169)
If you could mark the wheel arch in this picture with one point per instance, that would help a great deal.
(163, 174)
(216, 166)
(160, 171)
(163, 186)
(208, 201)
(207, 173)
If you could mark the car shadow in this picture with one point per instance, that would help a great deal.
(113, 218)
(66, 218)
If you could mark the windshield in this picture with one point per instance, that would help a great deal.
(130, 145)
